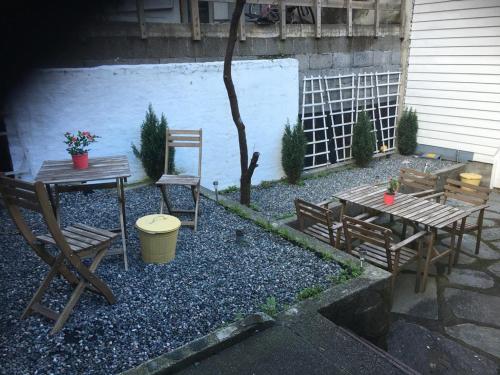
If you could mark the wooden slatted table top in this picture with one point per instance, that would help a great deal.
(420, 210)
(100, 168)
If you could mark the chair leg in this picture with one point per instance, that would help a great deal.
(80, 288)
(452, 255)
(459, 243)
(478, 239)
(418, 279)
(197, 202)
(403, 230)
(43, 287)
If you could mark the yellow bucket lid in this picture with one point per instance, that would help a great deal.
(158, 223)
(471, 176)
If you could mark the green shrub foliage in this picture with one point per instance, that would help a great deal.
(363, 140)
(152, 152)
(407, 132)
(293, 150)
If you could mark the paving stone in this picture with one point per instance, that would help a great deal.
(469, 246)
(484, 338)
(496, 244)
(495, 268)
(430, 352)
(420, 305)
(474, 306)
(463, 259)
(475, 279)
(491, 234)
(488, 223)
(492, 215)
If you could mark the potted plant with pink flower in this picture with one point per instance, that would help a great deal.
(78, 147)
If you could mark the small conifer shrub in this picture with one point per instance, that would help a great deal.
(407, 132)
(152, 152)
(293, 150)
(363, 140)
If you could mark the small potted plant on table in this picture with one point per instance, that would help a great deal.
(391, 191)
(78, 147)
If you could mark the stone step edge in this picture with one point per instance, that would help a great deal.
(199, 349)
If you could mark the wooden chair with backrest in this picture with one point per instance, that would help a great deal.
(74, 243)
(476, 198)
(318, 221)
(182, 138)
(378, 248)
(418, 184)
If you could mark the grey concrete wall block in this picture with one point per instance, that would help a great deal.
(285, 47)
(179, 47)
(244, 48)
(157, 47)
(321, 61)
(259, 47)
(363, 58)
(381, 58)
(396, 58)
(213, 47)
(177, 60)
(342, 60)
(303, 62)
(304, 45)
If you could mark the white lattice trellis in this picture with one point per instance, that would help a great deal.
(388, 84)
(340, 92)
(365, 100)
(314, 123)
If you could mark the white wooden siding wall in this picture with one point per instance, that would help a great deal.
(454, 75)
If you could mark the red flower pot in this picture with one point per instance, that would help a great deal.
(80, 161)
(389, 198)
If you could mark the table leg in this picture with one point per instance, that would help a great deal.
(459, 244)
(121, 201)
(122, 205)
(430, 249)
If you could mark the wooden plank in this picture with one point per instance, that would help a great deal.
(141, 19)
(99, 231)
(318, 18)
(195, 20)
(242, 29)
(283, 19)
(349, 18)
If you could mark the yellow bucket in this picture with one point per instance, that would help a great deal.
(158, 236)
(470, 178)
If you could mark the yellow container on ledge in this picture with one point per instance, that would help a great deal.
(470, 178)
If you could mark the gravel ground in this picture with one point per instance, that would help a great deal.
(277, 201)
(212, 280)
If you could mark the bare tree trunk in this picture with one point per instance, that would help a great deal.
(246, 169)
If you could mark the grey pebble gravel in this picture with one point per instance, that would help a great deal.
(160, 307)
(277, 201)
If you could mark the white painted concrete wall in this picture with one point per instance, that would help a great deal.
(111, 101)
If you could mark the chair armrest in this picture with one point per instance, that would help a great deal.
(324, 203)
(477, 208)
(434, 195)
(422, 193)
(407, 241)
(337, 226)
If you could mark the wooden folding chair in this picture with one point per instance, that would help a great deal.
(182, 138)
(476, 197)
(379, 249)
(318, 221)
(74, 243)
(418, 184)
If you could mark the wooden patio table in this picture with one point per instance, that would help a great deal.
(432, 215)
(64, 178)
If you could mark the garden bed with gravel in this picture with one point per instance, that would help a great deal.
(213, 280)
(275, 199)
